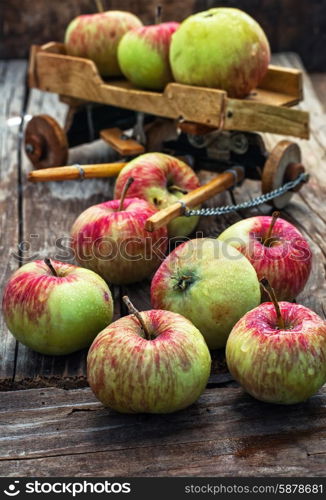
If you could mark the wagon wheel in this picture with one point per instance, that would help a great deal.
(46, 143)
(283, 165)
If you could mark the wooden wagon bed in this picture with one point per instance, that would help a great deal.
(52, 424)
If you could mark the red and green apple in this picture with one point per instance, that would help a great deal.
(149, 362)
(56, 308)
(111, 239)
(162, 180)
(143, 55)
(97, 36)
(223, 48)
(276, 249)
(277, 352)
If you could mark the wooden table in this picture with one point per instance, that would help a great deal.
(52, 424)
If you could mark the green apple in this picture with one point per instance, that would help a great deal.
(222, 48)
(208, 282)
(96, 36)
(143, 55)
(149, 362)
(56, 308)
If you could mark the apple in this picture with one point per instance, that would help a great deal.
(161, 180)
(143, 55)
(56, 308)
(149, 362)
(111, 239)
(276, 249)
(96, 36)
(208, 282)
(222, 48)
(277, 352)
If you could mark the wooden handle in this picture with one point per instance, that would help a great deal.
(125, 146)
(217, 185)
(76, 172)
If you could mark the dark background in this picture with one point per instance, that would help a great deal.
(291, 25)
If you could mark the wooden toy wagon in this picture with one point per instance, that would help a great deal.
(204, 125)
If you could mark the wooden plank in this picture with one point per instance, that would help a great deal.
(284, 81)
(259, 117)
(78, 77)
(49, 209)
(125, 146)
(278, 80)
(226, 432)
(12, 91)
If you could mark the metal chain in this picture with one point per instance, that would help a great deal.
(259, 200)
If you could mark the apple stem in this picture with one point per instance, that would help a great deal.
(270, 292)
(138, 315)
(124, 192)
(275, 216)
(48, 262)
(158, 14)
(99, 5)
(174, 187)
(183, 282)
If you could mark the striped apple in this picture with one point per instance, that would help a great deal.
(161, 180)
(276, 249)
(149, 362)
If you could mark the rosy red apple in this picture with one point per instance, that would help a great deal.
(143, 55)
(149, 362)
(161, 180)
(208, 282)
(223, 48)
(111, 239)
(277, 352)
(96, 36)
(56, 308)
(276, 249)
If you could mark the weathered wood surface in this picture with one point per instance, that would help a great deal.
(53, 432)
(12, 91)
(49, 209)
(47, 215)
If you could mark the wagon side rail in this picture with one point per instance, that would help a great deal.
(265, 110)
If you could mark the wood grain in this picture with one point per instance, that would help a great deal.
(260, 111)
(70, 173)
(125, 146)
(48, 213)
(51, 432)
(12, 91)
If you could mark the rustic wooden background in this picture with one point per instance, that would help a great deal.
(39, 214)
(291, 25)
(49, 431)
